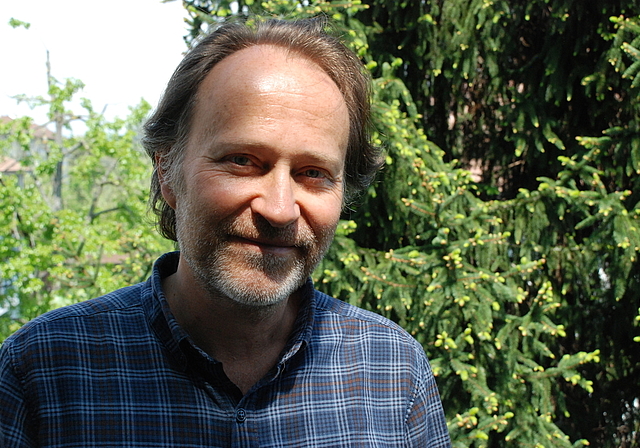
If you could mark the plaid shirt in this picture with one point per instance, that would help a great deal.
(118, 371)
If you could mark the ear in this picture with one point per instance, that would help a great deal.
(165, 188)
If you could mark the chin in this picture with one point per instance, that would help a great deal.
(256, 293)
(254, 284)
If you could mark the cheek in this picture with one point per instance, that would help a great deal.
(324, 214)
(219, 195)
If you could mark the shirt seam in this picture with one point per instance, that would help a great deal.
(419, 381)
(376, 319)
(44, 320)
(381, 321)
(20, 377)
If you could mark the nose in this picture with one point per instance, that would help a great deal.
(277, 201)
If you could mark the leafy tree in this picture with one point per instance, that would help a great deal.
(520, 285)
(74, 224)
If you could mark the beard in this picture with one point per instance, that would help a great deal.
(249, 276)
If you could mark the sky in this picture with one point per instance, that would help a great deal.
(122, 50)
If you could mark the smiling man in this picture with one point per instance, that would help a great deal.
(260, 138)
(258, 200)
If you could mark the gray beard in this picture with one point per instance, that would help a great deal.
(222, 270)
(218, 279)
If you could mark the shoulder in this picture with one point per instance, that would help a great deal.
(336, 319)
(342, 311)
(78, 319)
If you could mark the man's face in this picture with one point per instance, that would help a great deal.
(263, 175)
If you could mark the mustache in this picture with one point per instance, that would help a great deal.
(259, 229)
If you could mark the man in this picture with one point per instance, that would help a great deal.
(261, 134)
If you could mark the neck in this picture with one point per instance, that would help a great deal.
(247, 340)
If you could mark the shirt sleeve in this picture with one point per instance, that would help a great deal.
(15, 423)
(426, 425)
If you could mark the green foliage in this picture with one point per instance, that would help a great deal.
(455, 276)
(509, 85)
(550, 112)
(15, 23)
(54, 252)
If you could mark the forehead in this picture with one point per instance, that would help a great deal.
(264, 70)
(268, 83)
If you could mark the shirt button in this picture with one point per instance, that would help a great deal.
(241, 415)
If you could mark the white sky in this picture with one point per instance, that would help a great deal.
(122, 50)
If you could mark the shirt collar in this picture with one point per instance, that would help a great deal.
(160, 317)
(303, 326)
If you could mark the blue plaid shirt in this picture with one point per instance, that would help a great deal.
(118, 371)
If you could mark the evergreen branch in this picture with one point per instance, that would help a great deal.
(380, 279)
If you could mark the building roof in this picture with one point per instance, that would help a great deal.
(9, 165)
(39, 131)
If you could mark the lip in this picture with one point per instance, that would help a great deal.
(266, 245)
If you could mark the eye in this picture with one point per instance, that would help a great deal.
(314, 174)
(240, 160)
